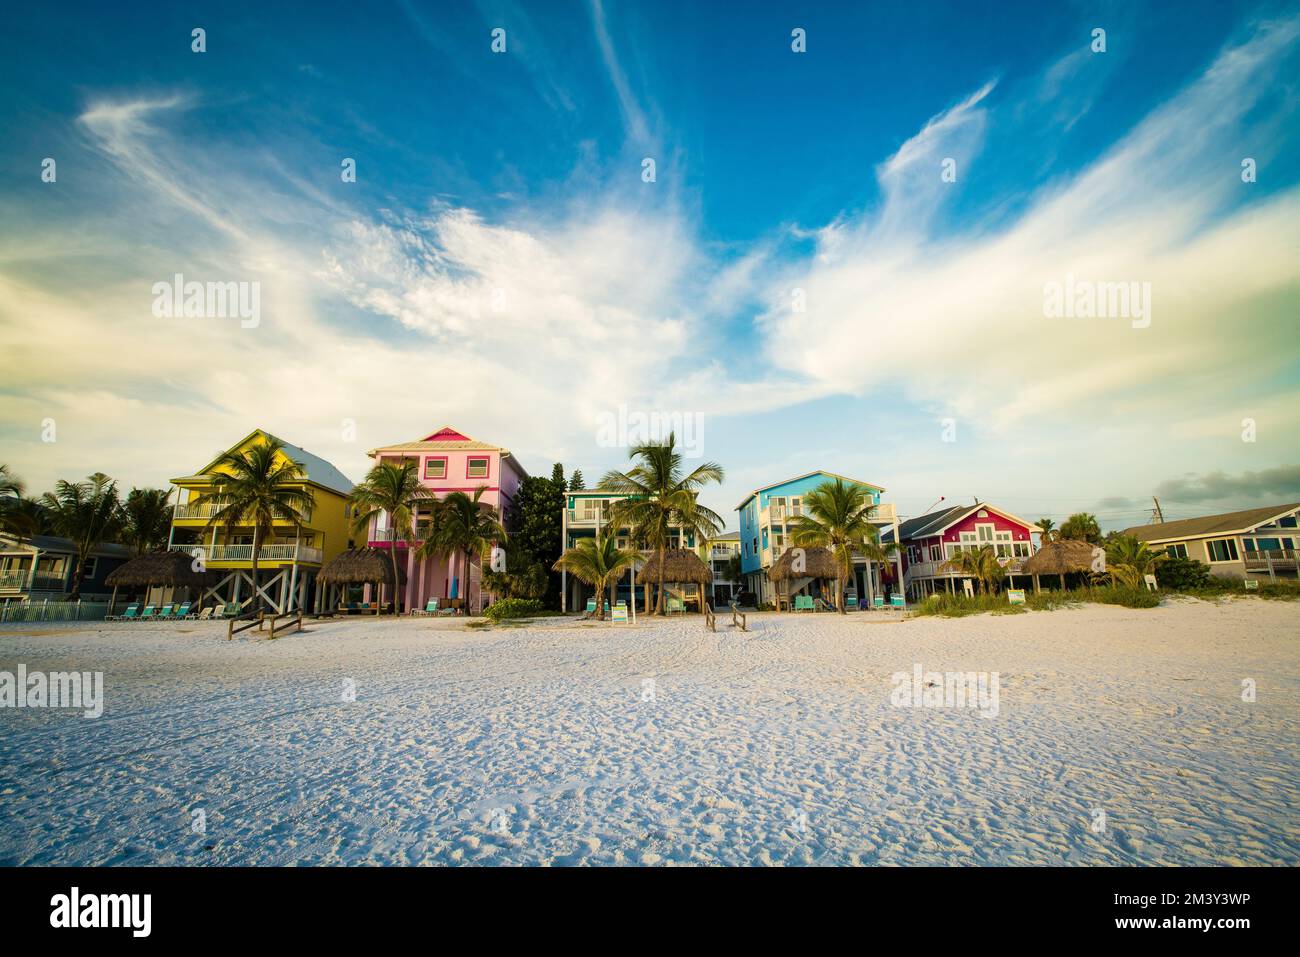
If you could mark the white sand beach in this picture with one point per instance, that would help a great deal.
(535, 744)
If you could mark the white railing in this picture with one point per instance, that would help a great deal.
(210, 509)
(582, 516)
(23, 581)
(244, 553)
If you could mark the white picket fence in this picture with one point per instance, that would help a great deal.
(53, 610)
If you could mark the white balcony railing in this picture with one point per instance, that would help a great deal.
(208, 510)
(23, 581)
(244, 553)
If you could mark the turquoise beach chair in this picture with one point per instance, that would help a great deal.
(131, 612)
(183, 611)
(150, 613)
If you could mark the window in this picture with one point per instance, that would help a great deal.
(1177, 550)
(477, 467)
(435, 468)
(936, 553)
(1021, 549)
(88, 570)
(984, 533)
(1222, 550)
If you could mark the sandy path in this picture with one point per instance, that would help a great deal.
(533, 745)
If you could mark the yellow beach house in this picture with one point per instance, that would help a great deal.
(289, 561)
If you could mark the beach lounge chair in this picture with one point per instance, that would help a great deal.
(131, 612)
(231, 610)
(167, 613)
(150, 613)
(430, 608)
(804, 603)
(878, 601)
(821, 604)
(676, 605)
(591, 606)
(206, 613)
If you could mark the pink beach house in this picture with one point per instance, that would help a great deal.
(448, 461)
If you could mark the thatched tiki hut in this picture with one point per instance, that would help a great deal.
(163, 569)
(818, 563)
(1061, 557)
(681, 567)
(359, 566)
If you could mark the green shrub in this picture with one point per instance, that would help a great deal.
(1285, 591)
(1183, 574)
(1118, 595)
(948, 605)
(514, 608)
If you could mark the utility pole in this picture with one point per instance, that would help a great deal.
(1157, 516)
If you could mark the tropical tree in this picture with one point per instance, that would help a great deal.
(1081, 527)
(255, 488)
(837, 515)
(11, 486)
(465, 525)
(522, 577)
(576, 482)
(87, 513)
(1048, 528)
(145, 519)
(393, 489)
(659, 496)
(23, 518)
(980, 564)
(1129, 561)
(735, 570)
(536, 530)
(598, 562)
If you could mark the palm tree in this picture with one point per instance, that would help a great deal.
(1129, 561)
(598, 562)
(1081, 527)
(24, 518)
(462, 524)
(394, 489)
(87, 513)
(145, 519)
(255, 488)
(980, 564)
(10, 484)
(837, 515)
(1048, 530)
(658, 497)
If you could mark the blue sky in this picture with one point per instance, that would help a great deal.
(521, 173)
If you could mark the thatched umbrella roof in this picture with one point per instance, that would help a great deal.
(157, 568)
(680, 565)
(1060, 557)
(365, 566)
(817, 563)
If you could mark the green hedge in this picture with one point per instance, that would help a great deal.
(514, 608)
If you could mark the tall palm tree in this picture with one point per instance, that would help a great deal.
(598, 562)
(1048, 529)
(145, 519)
(255, 488)
(658, 497)
(465, 525)
(85, 512)
(837, 515)
(393, 489)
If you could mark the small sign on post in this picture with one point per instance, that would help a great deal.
(1252, 584)
(968, 587)
(1016, 596)
(1152, 584)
